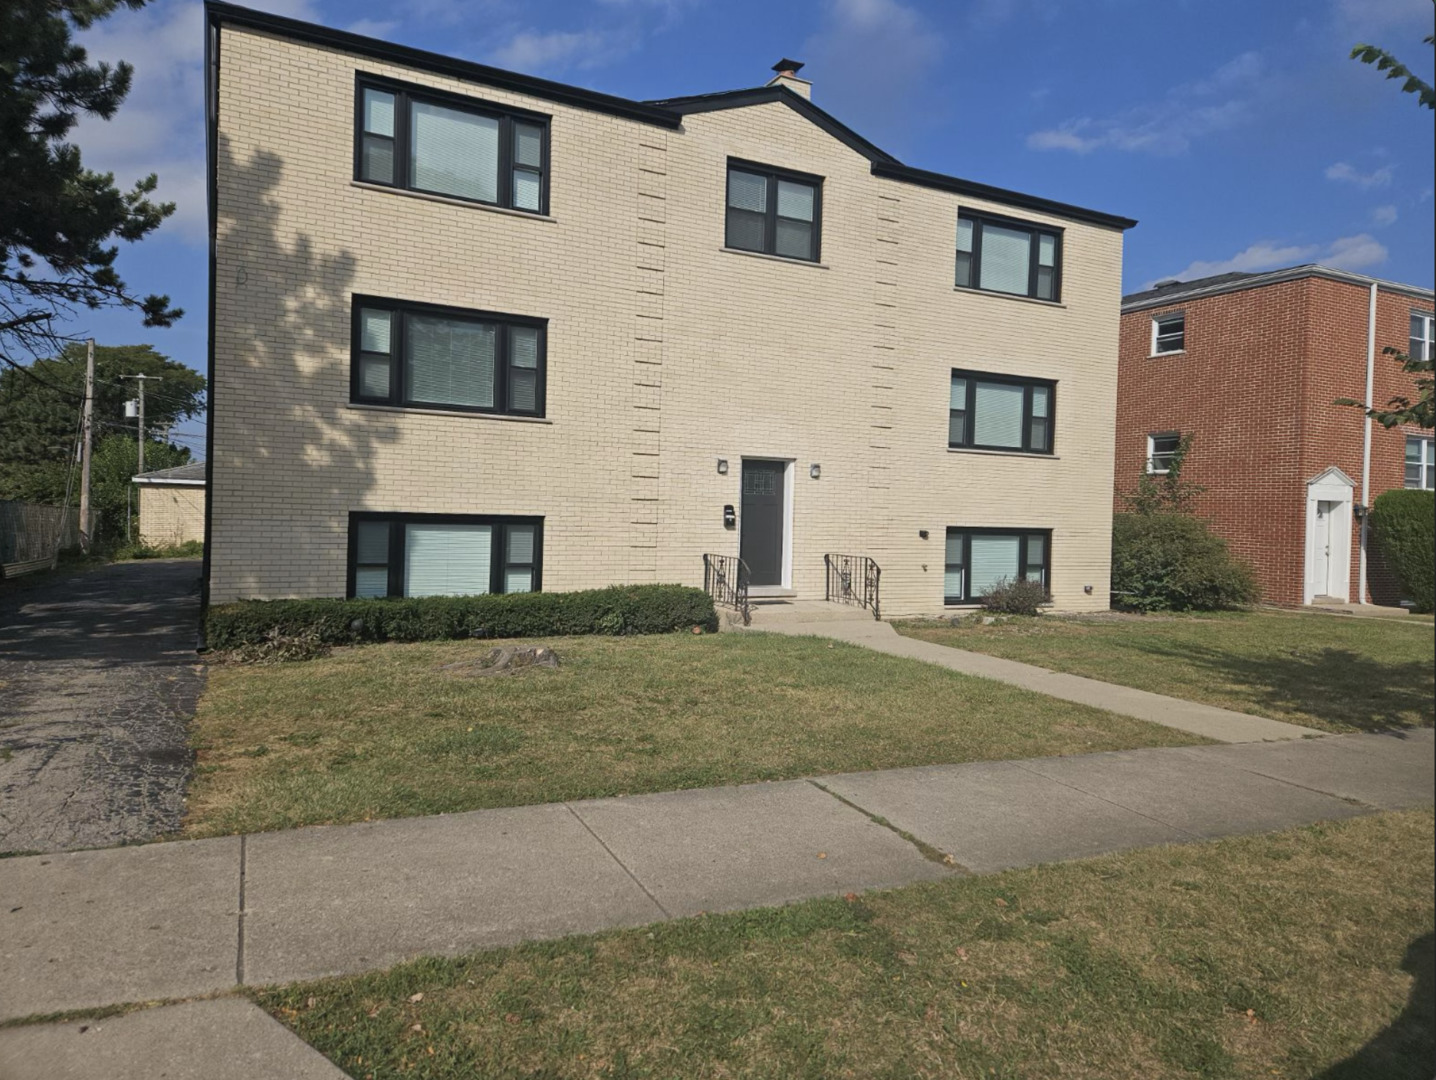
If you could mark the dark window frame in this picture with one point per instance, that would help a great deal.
(502, 360)
(498, 555)
(773, 174)
(405, 93)
(979, 218)
(970, 426)
(1157, 335)
(1022, 564)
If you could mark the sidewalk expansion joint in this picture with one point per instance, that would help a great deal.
(1349, 800)
(631, 875)
(239, 945)
(926, 850)
(1109, 802)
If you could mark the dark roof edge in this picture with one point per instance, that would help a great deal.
(942, 182)
(218, 12)
(762, 95)
(1144, 300)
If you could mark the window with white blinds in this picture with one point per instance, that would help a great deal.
(978, 560)
(773, 212)
(448, 145)
(443, 555)
(1000, 412)
(1001, 255)
(425, 356)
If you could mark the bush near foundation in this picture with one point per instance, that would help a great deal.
(1174, 562)
(1404, 522)
(1016, 598)
(621, 609)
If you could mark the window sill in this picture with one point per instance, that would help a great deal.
(468, 204)
(1002, 453)
(467, 413)
(1008, 296)
(787, 260)
(1162, 355)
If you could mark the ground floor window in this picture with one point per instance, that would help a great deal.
(443, 554)
(978, 559)
(1420, 466)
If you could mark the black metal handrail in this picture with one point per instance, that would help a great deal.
(725, 578)
(853, 579)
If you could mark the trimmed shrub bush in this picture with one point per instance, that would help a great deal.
(621, 609)
(1016, 598)
(1404, 521)
(1174, 562)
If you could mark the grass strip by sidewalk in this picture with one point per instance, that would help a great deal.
(1325, 672)
(1301, 954)
(381, 731)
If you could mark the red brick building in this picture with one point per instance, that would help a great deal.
(1251, 366)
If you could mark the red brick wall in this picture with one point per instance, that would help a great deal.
(1256, 386)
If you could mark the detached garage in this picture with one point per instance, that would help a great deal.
(172, 505)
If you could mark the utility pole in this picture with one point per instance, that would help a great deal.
(140, 380)
(87, 412)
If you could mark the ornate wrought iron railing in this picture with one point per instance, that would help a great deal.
(853, 579)
(725, 578)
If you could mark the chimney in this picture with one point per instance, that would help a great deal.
(787, 75)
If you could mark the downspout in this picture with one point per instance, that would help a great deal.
(1366, 445)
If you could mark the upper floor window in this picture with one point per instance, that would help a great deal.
(1007, 256)
(1169, 333)
(1162, 451)
(1420, 467)
(443, 554)
(450, 146)
(773, 211)
(1420, 348)
(999, 412)
(448, 358)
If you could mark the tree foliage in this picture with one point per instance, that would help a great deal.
(1395, 69)
(1404, 521)
(59, 221)
(1167, 493)
(1401, 409)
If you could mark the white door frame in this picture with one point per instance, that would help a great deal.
(790, 477)
(1335, 487)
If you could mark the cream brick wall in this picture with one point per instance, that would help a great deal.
(665, 352)
(171, 514)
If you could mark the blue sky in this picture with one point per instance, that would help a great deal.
(1237, 132)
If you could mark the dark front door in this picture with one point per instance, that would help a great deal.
(762, 522)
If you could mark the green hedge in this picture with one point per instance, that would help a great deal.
(622, 609)
(1404, 521)
(1174, 562)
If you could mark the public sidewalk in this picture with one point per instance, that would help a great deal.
(857, 627)
(181, 920)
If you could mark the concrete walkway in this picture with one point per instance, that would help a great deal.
(180, 920)
(857, 627)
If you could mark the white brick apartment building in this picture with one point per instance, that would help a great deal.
(478, 331)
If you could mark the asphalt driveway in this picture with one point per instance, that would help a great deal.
(98, 680)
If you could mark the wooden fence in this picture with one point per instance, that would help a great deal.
(31, 535)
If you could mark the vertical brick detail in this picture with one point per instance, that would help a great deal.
(887, 258)
(651, 264)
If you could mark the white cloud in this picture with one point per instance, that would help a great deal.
(1185, 113)
(1379, 14)
(1346, 173)
(377, 28)
(1347, 253)
(530, 50)
(1384, 215)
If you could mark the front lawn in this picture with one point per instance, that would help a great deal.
(1301, 954)
(380, 731)
(1322, 671)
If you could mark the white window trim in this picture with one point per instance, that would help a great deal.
(1152, 449)
(1428, 462)
(1427, 321)
(1169, 316)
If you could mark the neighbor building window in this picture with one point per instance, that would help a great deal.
(774, 212)
(1420, 346)
(979, 559)
(1002, 255)
(442, 554)
(1419, 462)
(420, 355)
(1162, 451)
(999, 412)
(451, 146)
(1169, 334)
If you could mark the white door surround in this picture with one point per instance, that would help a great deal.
(1327, 565)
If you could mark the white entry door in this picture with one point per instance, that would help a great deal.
(1321, 548)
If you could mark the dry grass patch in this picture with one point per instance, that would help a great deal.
(1302, 954)
(381, 731)
(1321, 671)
